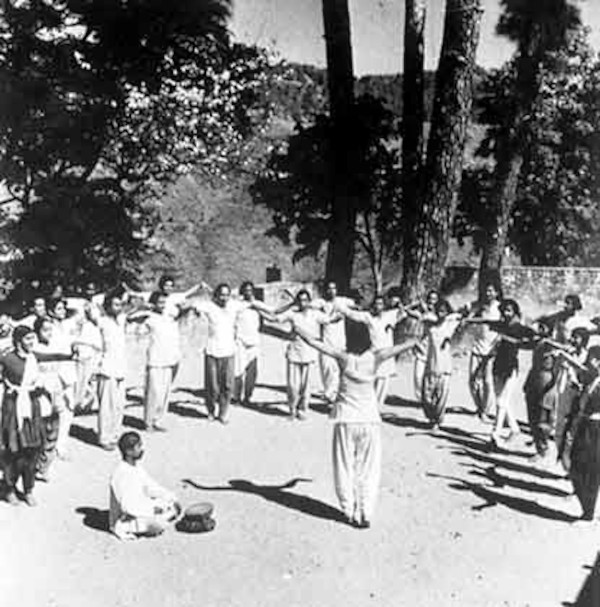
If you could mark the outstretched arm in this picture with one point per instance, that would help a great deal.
(317, 344)
(385, 353)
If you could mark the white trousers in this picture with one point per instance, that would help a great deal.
(330, 375)
(111, 399)
(357, 467)
(158, 391)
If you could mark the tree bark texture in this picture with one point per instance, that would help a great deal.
(426, 252)
(508, 171)
(340, 79)
(413, 111)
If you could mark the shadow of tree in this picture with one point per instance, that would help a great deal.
(278, 494)
(94, 518)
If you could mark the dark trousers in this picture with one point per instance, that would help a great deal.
(20, 464)
(246, 382)
(219, 380)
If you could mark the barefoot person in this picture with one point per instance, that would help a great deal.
(300, 357)
(438, 365)
(25, 403)
(422, 310)
(514, 336)
(247, 340)
(357, 433)
(334, 335)
(585, 454)
(481, 380)
(139, 506)
(164, 355)
(219, 363)
(111, 371)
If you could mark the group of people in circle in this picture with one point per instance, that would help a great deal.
(72, 354)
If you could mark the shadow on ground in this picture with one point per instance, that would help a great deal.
(94, 518)
(278, 494)
(589, 595)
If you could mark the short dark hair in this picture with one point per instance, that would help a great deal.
(56, 301)
(164, 279)
(39, 323)
(221, 286)
(19, 333)
(300, 293)
(583, 333)
(443, 304)
(505, 303)
(115, 293)
(245, 284)
(128, 441)
(574, 300)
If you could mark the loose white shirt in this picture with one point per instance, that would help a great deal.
(333, 334)
(485, 338)
(221, 326)
(357, 400)
(113, 359)
(309, 321)
(134, 493)
(164, 349)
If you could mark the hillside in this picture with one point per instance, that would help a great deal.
(214, 231)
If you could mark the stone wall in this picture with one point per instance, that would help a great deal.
(537, 289)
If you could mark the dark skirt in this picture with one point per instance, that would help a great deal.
(31, 433)
(585, 465)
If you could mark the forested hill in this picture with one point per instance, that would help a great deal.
(305, 89)
(214, 231)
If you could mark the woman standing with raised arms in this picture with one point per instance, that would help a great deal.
(357, 432)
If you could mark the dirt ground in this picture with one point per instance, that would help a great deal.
(455, 525)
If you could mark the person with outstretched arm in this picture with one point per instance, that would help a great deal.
(357, 433)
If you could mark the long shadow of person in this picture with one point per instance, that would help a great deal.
(589, 595)
(494, 498)
(94, 518)
(278, 494)
(83, 434)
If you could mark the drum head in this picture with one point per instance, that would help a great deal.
(199, 510)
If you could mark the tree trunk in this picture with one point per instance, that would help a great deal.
(508, 171)
(509, 156)
(426, 252)
(413, 113)
(340, 79)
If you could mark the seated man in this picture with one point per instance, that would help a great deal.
(139, 506)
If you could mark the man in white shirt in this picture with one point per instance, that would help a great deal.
(111, 371)
(139, 506)
(219, 367)
(247, 339)
(334, 336)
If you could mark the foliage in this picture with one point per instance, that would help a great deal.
(103, 105)
(557, 206)
(298, 184)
